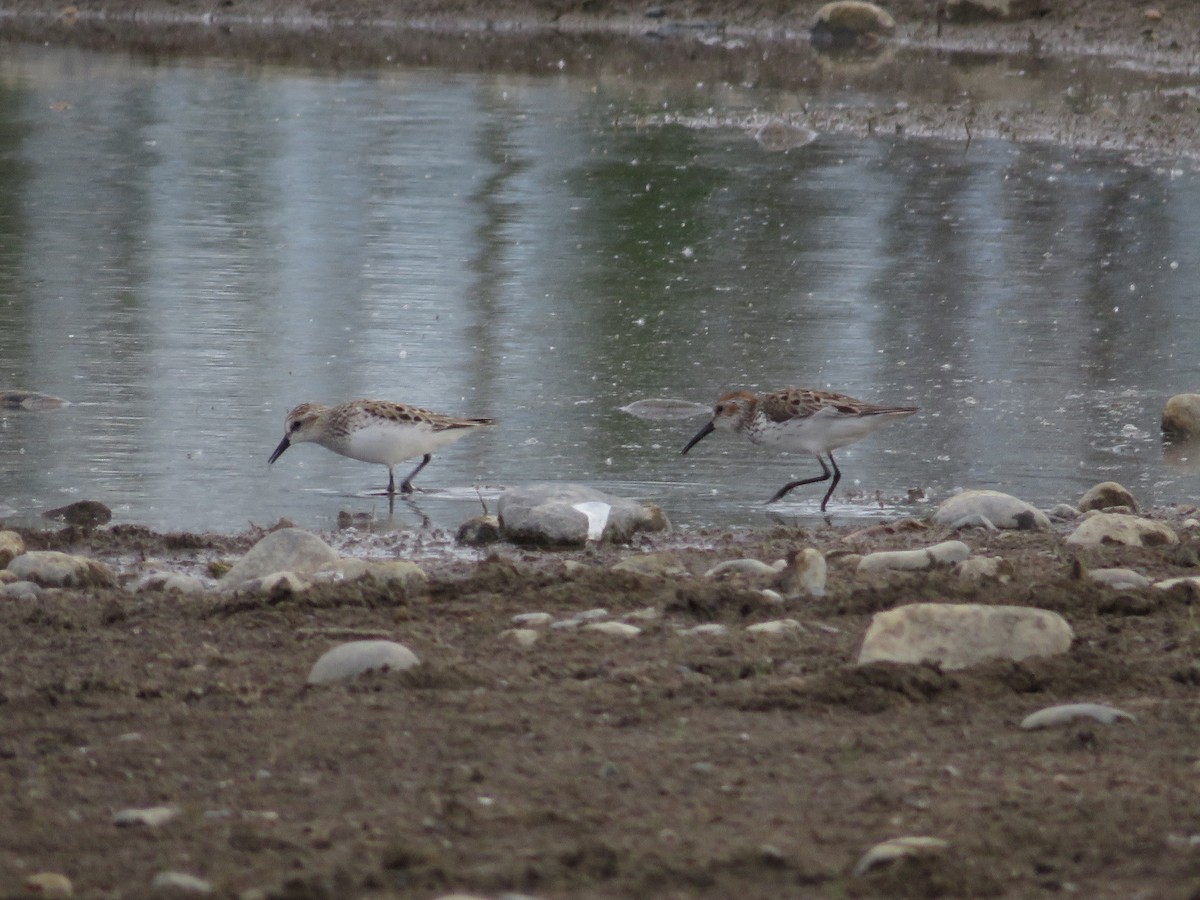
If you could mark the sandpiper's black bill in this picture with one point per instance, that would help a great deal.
(704, 432)
(283, 445)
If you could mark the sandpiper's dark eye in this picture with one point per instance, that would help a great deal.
(295, 426)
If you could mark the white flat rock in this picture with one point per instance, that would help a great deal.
(356, 657)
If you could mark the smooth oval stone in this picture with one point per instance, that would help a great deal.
(357, 657)
(666, 409)
(896, 848)
(1053, 716)
(740, 567)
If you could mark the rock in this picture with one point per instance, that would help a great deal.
(279, 585)
(960, 635)
(741, 567)
(664, 564)
(945, 553)
(522, 637)
(985, 568)
(30, 401)
(171, 583)
(50, 568)
(1064, 511)
(1191, 582)
(1001, 510)
(569, 515)
(151, 816)
(479, 531)
(20, 590)
(1118, 578)
(617, 629)
(357, 657)
(285, 550)
(180, 883)
(1053, 716)
(804, 575)
(532, 618)
(897, 848)
(393, 574)
(85, 514)
(11, 546)
(776, 626)
(1181, 417)
(50, 885)
(962, 11)
(778, 136)
(709, 628)
(1116, 528)
(849, 23)
(1105, 495)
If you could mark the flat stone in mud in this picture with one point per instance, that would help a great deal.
(972, 508)
(958, 635)
(358, 657)
(1118, 528)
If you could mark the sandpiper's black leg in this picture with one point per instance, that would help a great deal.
(391, 488)
(407, 487)
(837, 476)
(824, 476)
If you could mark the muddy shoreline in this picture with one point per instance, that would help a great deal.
(588, 764)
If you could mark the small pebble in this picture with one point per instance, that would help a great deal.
(777, 626)
(52, 885)
(522, 637)
(181, 883)
(897, 848)
(532, 618)
(620, 629)
(151, 816)
(709, 628)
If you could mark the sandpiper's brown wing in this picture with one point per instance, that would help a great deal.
(800, 403)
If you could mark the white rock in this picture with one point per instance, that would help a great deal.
(945, 553)
(985, 568)
(957, 635)
(618, 629)
(356, 657)
(1119, 578)
(1053, 716)
(50, 568)
(1116, 528)
(151, 816)
(1191, 581)
(709, 629)
(285, 550)
(1064, 511)
(558, 515)
(776, 626)
(1001, 510)
(804, 574)
(522, 637)
(740, 567)
(180, 883)
(896, 848)
(20, 590)
(773, 597)
(532, 618)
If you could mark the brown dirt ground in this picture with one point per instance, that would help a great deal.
(591, 766)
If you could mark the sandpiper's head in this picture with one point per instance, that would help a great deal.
(302, 425)
(731, 412)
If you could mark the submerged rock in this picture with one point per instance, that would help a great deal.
(850, 23)
(30, 400)
(957, 635)
(85, 514)
(1181, 417)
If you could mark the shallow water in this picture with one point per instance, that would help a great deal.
(188, 249)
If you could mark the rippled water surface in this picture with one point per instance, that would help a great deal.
(189, 249)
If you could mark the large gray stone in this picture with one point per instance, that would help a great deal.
(957, 635)
(50, 568)
(569, 515)
(285, 550)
